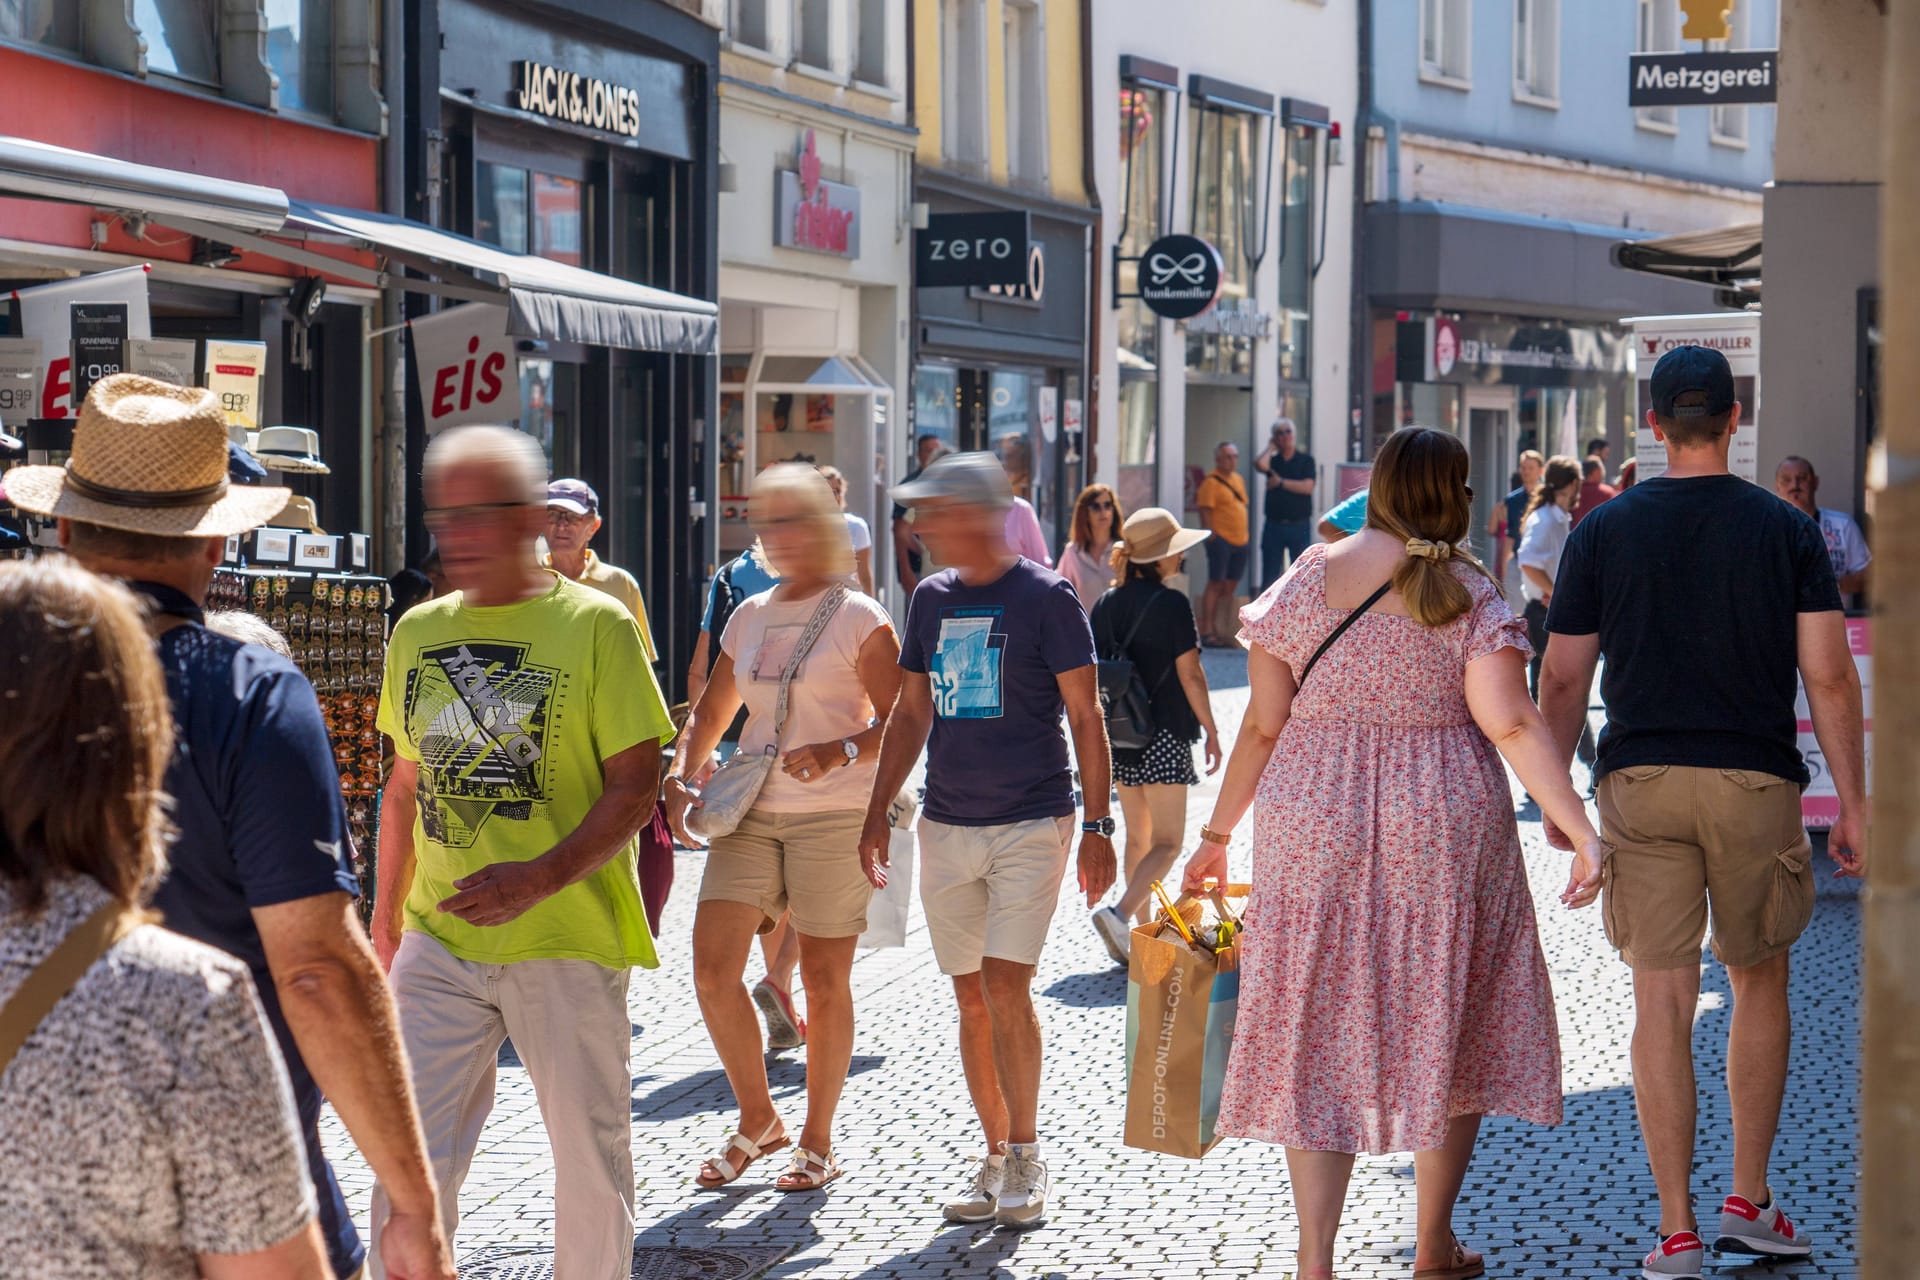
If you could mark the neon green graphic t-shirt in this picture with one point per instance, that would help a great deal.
(510, 713)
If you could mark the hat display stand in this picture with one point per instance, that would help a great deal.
(336, 625)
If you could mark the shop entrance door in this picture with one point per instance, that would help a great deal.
(1490, 414)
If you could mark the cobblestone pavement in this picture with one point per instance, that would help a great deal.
(1574, 1202)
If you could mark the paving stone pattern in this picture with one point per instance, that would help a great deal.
(1575, 1201)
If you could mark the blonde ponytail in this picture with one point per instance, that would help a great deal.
(1418, 495)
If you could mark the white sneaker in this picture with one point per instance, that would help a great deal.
(1113, 931)
(1023, 1200)
(976, 1199)
(1747, 1228)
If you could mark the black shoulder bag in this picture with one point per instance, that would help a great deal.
(1341, 630)
(1124, 696)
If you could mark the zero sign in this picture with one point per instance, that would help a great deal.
(973, 250)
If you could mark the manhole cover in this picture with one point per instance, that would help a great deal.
(649, 1263)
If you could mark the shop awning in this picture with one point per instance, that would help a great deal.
(43, 172)
(544, 299)
(1727, 258)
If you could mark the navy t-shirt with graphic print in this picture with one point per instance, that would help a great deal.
(998, 753)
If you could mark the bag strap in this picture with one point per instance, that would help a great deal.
(56, 975)
(1341, 630)
(816, 625)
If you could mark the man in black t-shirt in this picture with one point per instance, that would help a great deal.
(1707, 595)
(1290, 473)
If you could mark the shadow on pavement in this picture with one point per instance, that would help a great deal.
(704, 1092)
(1102, 990)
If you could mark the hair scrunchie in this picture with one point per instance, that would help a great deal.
(1425, 550)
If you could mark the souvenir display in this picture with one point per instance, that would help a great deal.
(336, 626)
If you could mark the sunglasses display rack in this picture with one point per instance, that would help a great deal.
(336, 625)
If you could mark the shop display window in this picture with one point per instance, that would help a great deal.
(556, 219)
(183, 37)
(500, 205)
(300, 50)
(1223, 214)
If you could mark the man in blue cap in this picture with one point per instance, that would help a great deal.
(1707, 595)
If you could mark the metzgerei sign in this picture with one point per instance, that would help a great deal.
(1702, 79)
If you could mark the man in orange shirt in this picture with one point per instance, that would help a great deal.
(1222, 501)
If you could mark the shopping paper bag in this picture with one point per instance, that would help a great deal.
(1182, 996)
(887, 910)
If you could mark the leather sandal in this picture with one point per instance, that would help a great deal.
(1465, 1266)
(808, 1171)
(719, 1170)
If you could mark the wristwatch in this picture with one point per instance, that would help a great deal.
(852, 749)
(1099, 827)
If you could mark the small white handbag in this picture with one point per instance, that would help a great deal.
(736, 784)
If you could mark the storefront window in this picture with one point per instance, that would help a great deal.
(500, 205)
(556, 219)
(1223, 172)
(1430, 404)
(1298, 245)
(55, 23)
(1142, 162)
(936, 406)
(1009, 428)
(300, 50)
(1139, 442)
(183, 37)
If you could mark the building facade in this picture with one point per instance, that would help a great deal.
(815, 250)
(1000, 100)
(1201, 129)
(1501, 163)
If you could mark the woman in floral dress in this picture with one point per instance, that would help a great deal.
(1393, 990)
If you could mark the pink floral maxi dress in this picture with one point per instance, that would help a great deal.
(1391, 975)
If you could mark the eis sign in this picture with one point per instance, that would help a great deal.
(466, 366)
(813, 214)
(576, 99)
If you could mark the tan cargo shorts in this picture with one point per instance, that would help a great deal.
(1689, 844)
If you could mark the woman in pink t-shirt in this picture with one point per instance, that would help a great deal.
(797, 849)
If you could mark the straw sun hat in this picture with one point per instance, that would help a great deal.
(149, 457)
(1152, 533)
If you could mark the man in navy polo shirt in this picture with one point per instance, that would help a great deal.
(260, 867)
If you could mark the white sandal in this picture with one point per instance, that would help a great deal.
(719, 1170)
(808, 1171)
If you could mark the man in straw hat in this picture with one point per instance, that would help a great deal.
(994, 650)
(527, 728)
(261, 867)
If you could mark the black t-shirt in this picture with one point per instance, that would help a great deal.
(1290, 507)
(1694, 587)
(1167, 632)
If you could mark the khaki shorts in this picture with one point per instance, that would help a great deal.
(991, 891)
(1689, 841)
(808, 863)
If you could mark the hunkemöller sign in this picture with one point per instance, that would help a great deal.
(576, 99)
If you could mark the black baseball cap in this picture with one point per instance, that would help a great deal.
(1687, 369)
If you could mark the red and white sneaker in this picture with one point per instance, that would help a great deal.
(1766, 1233)
(1679, 1257)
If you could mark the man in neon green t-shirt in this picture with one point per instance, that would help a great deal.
(527, 729)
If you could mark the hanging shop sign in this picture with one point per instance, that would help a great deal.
(234, 370)
(1031, 292)
(813, 214)
(168, 359)
(99, 343)
(975, 250)
(45, 314)
(1180, 276)
(1702, 79)
(465, 361)
(576, 99)
(19, 381)
(1735, 335)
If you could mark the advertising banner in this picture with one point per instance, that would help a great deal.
(233, 374)
(1734, 334)
(465, 363)
(168, 359)
(19, 381)
(45, 315)
(99, 344)
(1820, 802)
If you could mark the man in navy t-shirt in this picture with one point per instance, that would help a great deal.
(260, 866)
(1707, 595)
(996, 649)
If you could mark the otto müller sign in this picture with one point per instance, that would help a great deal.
(576, 99)
(1703, 79)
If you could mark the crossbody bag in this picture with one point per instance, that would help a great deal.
(1125, 699)
(736, 784)
(56, 975)
(1341, 630)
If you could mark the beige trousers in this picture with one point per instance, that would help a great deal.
(568, 1020)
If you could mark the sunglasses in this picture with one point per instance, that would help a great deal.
(1100, 505)
(440, 519)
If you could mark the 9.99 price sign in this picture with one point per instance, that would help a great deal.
(99, 344)
(19, 381)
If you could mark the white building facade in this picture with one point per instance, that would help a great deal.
(1227, 129)
(816, 156)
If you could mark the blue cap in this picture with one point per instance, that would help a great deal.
(576, 496)
(1689, 369)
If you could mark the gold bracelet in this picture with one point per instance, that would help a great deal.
(1209, 836)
